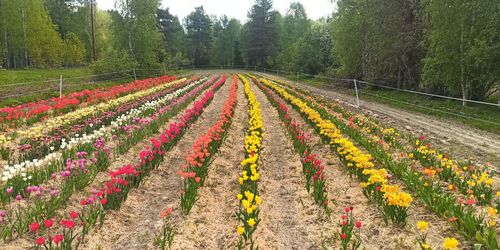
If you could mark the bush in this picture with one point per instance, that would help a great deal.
(117, 63)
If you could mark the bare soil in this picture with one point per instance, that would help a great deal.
(134, 226)
(345, 191)
(211, 223)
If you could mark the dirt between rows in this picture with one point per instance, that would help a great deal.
(461, 141)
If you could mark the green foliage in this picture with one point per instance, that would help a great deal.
(198, 26)
(262, 33)
(29, 37)
(173, 34)
(177, 61)
(463, 44)
(378, 40)
(346, 30)
(119, 61)
(226, 37)
(312, 52)
(295, 25)
(74, 51)
(135, 29)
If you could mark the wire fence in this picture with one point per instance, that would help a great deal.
(360, 89)
(365, 91)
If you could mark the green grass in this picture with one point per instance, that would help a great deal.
(480, 116)
(32, 75)
(74, 80)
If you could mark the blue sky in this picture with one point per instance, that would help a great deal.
(235, 8)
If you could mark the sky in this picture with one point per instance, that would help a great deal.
(235, 8)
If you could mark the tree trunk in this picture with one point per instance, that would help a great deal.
(23, 12)
(7, 57)
(463, 83)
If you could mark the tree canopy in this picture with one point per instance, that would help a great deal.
(449, 47)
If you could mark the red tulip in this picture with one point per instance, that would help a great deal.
(73, 215)
(48, 223)
(343, 236)
(40, 241)
(358, 224)
(58, 238)
(34, 227)
(104, 201)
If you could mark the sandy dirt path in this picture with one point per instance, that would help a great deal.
(135, 224)
(116, 162)
(211, 223)
(286, 206)
(345, 191)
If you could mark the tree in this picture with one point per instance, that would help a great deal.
(136, 30)
(29, 37)
(74, 51)
(379, 40)
(237, 56)
(262, 33)
(311, 53)
(198, 26)
(348, 46)
(226, 33)
(295, 24)
(173, 33)
(463, 47)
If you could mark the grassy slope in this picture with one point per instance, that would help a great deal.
(431, 106)
(32, 75)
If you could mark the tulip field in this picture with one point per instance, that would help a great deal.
(231, 160)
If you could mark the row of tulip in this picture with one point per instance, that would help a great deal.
(33, 148)
(10, 171)
(474, 181)
(471, 183)
(312, 166)
(195, 171)
(36, 172)
(29, 113)
(392, 202)
(471, 179)
(476, 228)
(249, 199)
(78, 115)
(41, 201)
(29, 211)
(115, 191)
(42, 146)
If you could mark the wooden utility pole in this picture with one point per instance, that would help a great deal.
(92, 24)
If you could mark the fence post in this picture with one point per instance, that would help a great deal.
(193, 66)
(255, 68)
(356, 87)
(135, 76)
(298, 77)
(60, 86)
(277, 72)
